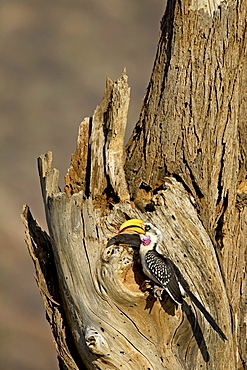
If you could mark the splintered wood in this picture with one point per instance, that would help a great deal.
(185, 171)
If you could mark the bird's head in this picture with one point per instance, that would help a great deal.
(133, 230)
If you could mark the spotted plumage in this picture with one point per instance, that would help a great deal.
(160, 269)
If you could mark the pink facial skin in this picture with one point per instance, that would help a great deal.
(146, 240)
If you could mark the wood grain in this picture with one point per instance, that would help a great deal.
(185, 171)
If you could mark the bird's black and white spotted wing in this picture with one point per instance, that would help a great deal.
(163, 273)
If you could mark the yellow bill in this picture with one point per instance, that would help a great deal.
(132, 225)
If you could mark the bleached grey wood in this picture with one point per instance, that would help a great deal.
(103, 137)
(101, 305)
(192, 129)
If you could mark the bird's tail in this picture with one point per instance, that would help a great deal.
(193, 298)
(206, 314)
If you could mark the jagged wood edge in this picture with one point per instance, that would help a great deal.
(49, 184)
(38, 244)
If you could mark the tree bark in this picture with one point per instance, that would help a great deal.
(185, 171)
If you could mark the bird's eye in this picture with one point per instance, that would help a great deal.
(147, 228)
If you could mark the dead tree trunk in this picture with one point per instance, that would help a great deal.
(185, 171)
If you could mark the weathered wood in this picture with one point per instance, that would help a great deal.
(184, 162)
(105, 307)
(100, 296)
(189, 121)
(193, 126)
(39, 246)
(100, 155)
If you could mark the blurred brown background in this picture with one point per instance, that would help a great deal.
(55, 56)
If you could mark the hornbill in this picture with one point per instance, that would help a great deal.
(160, 269)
